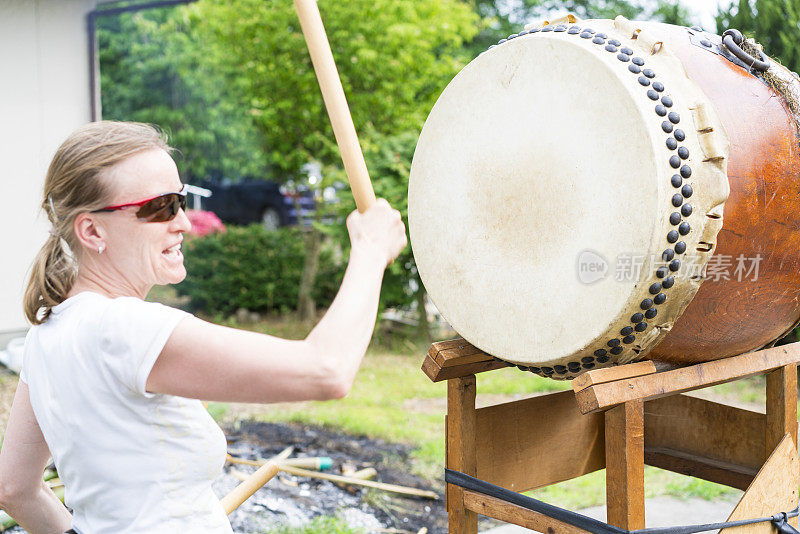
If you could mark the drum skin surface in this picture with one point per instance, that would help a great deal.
(556, 147)
(761, 217)
(505, 196)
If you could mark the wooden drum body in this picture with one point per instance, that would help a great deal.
(560, 156)
(733, 315)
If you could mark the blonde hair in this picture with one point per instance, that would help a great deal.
(75, 184)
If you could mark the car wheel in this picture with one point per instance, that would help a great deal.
(270, 219)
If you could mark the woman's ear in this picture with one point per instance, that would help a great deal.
(90, 232)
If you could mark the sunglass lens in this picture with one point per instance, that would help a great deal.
(162, 209)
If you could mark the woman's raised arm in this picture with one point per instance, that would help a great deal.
(206, 361)
(23, 457)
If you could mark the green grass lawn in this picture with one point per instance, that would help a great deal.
(392, 399)
(321, 525)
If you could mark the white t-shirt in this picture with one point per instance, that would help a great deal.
(131, 461)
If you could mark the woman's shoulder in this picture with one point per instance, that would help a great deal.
(82, 299)
(84, 307)
(106, 316)
(137, 320)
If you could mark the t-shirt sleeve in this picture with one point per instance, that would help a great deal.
(134, 333)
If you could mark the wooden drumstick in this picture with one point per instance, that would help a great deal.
(336, 103)
(254, 482)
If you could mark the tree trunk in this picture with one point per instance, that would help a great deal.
(306, 307)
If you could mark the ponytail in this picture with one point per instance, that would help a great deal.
(52, 276)
(77, 181)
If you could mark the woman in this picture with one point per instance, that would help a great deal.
(107, 377)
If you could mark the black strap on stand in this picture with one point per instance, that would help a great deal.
(593, 525)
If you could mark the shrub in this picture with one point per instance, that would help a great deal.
(253, 268)
(204, 222)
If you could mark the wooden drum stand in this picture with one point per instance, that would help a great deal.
(619, 419)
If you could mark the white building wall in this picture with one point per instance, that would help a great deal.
(44, 95)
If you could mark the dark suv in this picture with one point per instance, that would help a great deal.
(249, 200)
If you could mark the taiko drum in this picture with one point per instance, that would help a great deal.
(588, 193)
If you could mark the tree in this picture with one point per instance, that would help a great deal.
(152, 70)
(773, 23)
(233, 83)
(394, 59)
(388, 159)
(501, 18)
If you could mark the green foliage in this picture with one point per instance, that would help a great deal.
(322, 525)
(252, 268)
(669, 11)
(394, 58)
(673, 12)
(388, 159)
(773, 23)
(153, 70)
(502, 18)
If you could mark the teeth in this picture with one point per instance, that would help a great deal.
(173, 250)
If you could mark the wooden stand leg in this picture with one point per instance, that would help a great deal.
(773, 490)
(781, 406)
(460, 450)
(729, 447)
(625, 465)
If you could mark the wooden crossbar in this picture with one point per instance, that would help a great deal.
(457, 358)
(517, 515)
(682, 379)
(601, 389)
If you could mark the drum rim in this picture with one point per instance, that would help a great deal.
(715, 147)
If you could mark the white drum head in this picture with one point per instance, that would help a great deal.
(538, 169)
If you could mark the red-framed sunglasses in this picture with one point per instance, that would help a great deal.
(161, 208)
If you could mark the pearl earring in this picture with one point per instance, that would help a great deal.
(101, 249)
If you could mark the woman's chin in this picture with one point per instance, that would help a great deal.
(176, 275)
(180, 277)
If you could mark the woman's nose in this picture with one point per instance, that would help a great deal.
(181, 222)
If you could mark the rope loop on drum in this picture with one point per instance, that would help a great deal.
(569, 517)
(733, 39)
(657, 46)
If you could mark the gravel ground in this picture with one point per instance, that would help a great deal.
(294, 501)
